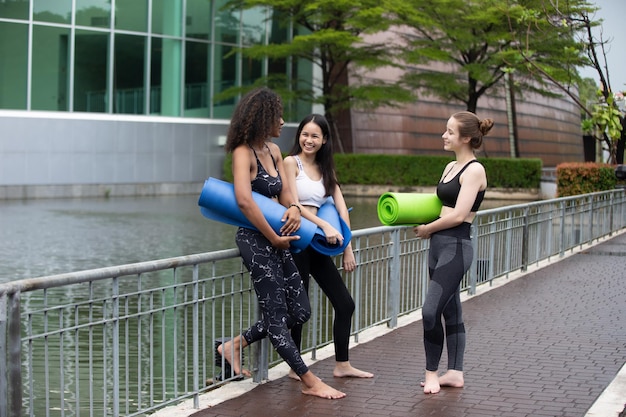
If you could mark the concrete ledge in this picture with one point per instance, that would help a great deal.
(24, 192)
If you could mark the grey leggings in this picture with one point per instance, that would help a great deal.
(280, 292)
(449, 259)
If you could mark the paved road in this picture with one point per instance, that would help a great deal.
(545, 344)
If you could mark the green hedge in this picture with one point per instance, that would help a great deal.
(424, 171)
(575, 178)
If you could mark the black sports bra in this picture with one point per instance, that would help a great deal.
(448, 192)
(264, 183)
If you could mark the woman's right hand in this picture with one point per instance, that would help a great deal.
(283, 242)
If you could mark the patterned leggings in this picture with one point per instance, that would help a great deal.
(281, 295)
(449, 259)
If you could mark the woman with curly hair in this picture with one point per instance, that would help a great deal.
(257, 166)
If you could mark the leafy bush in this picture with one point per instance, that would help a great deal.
(573, 178)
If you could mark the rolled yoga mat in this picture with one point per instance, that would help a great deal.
(408, 208)
(217, 202)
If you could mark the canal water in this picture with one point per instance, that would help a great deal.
(51, 236)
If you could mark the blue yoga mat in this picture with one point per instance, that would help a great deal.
(217, 202)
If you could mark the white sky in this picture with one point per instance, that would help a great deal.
(613, 13)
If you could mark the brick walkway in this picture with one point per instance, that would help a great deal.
(545, 344)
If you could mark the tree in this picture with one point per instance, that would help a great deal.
(331, 34)
(602, 117)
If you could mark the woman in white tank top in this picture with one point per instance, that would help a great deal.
(310, 170)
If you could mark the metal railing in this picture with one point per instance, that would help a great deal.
(131, 339)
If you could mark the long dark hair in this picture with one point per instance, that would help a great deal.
(255, 117)
(324, 156)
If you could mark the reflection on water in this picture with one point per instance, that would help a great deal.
(45, 237)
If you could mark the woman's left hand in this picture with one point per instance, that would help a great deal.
(292, 220)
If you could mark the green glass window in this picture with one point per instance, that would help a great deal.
(50, 68)
(13, 83)
(224, 77)
(226, 24)
(197, 67)
(198, 20)
(253, 26)
(14, 9)
(131, 15)
(167, 16)
(156, 57)
(90, 71)
(58, 11)
(128, 74)
(94, 13)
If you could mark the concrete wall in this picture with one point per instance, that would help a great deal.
(45, 155)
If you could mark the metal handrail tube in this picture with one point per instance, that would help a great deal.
(134, 338)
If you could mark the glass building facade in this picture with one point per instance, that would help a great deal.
(141, 57)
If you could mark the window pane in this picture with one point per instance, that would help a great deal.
(90, 71)
(253, 26)
(50, 63)
(131, 15)
(14, 44)
(196, 77)
(226, 24)
(95, 13)
(128, 74)
(224, 76)
(198, 20)
(14, 9)
(59, 11)
(166, 17)
(156, 57)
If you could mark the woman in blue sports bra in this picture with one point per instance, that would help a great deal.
(257, 166)
(310, 171)
(461, 190)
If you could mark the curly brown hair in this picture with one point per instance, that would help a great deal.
(256, 116)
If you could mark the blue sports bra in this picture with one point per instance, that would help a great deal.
(448, 192)
(264, 183)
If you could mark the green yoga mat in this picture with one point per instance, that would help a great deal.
(408, 208)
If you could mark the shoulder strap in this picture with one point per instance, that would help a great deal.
(299, 162)
(466, 165)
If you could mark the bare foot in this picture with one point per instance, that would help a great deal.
(345, 370)
(315, 386)
(452, 378)
(231, 351)
(293, 375)
(431, 383)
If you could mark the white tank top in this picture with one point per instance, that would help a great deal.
(310, 193)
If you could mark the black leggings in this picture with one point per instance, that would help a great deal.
(449, 259)
(280, 292)
(324, 271)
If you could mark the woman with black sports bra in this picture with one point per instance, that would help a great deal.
(461, 190)
(257, 166)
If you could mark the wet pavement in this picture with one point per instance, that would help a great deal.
(545, 343)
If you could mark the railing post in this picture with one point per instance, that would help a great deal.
(10, 356)
(525, 243)
(473, 275)
(393, 308)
